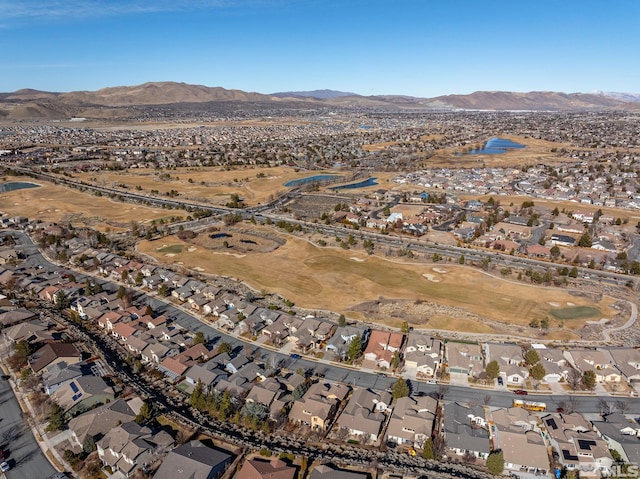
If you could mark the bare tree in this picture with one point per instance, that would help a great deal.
(605, 407)
(570, 405)
(574, 379)
(622, 406)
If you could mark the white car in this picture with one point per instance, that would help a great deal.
(4, 466)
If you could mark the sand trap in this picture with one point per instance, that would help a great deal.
(235, 255)
(431, 277)
(191, 249)
(170, 255)
(570, 303)
(600, 321)
(198, 268)
(555, 305)
(440, 270)
(359, 260)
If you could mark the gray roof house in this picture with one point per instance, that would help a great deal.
(412, 420)
(466, 430)
(194, 460)
(364, 413)
(129, 446)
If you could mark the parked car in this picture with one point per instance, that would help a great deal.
(521, 392)
(500, 381)
(295, 356)
(4, 466)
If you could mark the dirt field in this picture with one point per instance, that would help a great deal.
(56, 203)
(350, 282)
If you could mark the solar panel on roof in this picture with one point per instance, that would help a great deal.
(73, 387)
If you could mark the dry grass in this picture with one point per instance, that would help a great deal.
(64, 205)
(331, 279)
(215, 185)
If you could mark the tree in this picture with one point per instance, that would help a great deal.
(585, 240)
(199, 338)
(400, 389)
(573, 272)
(121, 292)
(88, 445)
(224, 347)
(495, 463)
(531, 357)
(342, 321)
(589, 379)
(355, 349)
(538, 371)
(163, 290)
(405, 327)
(146, 413)
(492, 369)
(574, 378)
(395, 360)
(57, 420)
(427, 449)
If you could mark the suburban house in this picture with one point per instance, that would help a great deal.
(466, 430)
(82, 393)
(54, 353)
(555, 364)
(517, 433)
(412, 421)
(627, 360)
(262, 468)
(129, 446)
(319, 405)
(509, 358)
(363, 416)
(578, 446)
(422, 354)
(208, 374)
(196, 460)
(341, 340)
(622, 435)
(597, 360)
(97, 422)
(272, 393)
(381, 348)
(463, 358)
(59, 373)
(326, 471)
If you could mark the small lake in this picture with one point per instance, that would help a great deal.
(16, 185)
(352, 186)
(310, 179)
(497, 146)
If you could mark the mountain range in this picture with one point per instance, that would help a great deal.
(127, 101)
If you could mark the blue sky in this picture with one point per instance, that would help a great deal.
(420, 48)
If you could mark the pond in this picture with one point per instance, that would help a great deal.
(351, 186)
(497, 146)
(310, 179)
(16, 185)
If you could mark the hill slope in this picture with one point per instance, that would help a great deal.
(118, 101)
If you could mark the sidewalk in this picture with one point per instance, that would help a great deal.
(45, 443)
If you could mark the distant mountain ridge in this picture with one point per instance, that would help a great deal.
(318, 94)
(119, 102)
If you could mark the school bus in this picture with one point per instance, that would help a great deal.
(530, 405)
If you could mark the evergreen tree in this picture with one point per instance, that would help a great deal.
(495, 463)
(400, 389)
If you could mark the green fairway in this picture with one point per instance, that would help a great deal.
(173, 249)
(576, 312)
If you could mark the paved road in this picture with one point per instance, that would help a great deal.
(25, 456)
(359, 377)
